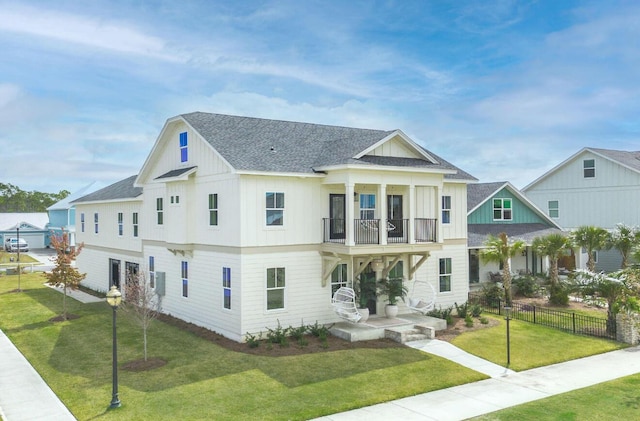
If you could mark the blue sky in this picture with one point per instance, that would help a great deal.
(503, 89)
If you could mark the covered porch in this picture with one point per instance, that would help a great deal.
(403, 328)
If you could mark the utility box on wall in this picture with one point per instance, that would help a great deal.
(160, 283)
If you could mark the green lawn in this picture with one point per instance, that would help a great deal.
(201, 380)
(617, 399)
(531, 345)
(204, 381)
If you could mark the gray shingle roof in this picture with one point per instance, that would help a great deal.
(174, 173)
(254, 144)
(477, 233)
(478, 193)
(120, 190)
(630, 159)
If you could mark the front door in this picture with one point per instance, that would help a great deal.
(337, 215)
(368, 283)
(395, 227)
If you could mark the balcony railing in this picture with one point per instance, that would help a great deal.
(367, 231)
(426, 230)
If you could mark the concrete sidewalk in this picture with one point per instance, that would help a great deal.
(474, 399)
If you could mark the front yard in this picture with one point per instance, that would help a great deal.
(204, 380)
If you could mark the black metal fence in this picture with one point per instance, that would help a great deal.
(557, 319)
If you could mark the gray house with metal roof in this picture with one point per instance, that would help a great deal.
(242, 223)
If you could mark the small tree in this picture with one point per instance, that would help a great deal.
(554, 246)
(591, 239)
(500, 250)
(625, 239)
(619, 289)
(141, 302)
(64, 274)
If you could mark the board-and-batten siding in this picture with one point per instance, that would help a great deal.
(204, 304)
(394, 147)
(458, 226)
(107, 235)
(521, 213)
(605, 200)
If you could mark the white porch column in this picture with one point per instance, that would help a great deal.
(410, 212)
(348, 215)
(383, 214)
(439, 214)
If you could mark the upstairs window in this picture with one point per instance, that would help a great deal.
(82, 222)
(95, 222)
(446, 209)
(589, 168)
(226, 287)
(213, 209)
(134, 218)
(183, 147)
(502, 210)
(159, 210)
(554, 208)
(275, 208)
(275, 288)
(120, 223)
(445, 274)
(367, 206)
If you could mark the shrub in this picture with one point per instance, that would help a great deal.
(527, 286)
(441, 313)
(253, 341)
(476, 310)
(319, 331)
(468, 320)
(461, 310)
(558, 295)
(298, 333)
(278, 335)
(492, 295)
(484, 320)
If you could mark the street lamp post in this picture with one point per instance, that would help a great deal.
(507, 311)
(18, 240)
(114, 297)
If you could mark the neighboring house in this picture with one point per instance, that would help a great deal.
(33, 228)
(500, 207)
(62, 215)
(599, 187)
(242, 224)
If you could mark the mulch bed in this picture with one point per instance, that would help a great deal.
(142, 365)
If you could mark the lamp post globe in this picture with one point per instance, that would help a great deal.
(114, 298)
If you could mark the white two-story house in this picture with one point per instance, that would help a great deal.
(243, 223)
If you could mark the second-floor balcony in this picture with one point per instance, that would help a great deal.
(367, 231)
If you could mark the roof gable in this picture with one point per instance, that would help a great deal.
(121, 190)
(627, 159)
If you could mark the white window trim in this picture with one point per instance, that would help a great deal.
(493, 208)
(266, 290)
(283, 209)
(446, 209)
(445, 274)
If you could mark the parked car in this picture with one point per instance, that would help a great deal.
(12, 245)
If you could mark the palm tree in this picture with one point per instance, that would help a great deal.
(591, 239)
(500, 250)
(554, 246)
(625, 239)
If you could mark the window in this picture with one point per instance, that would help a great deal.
(275, 208)
(152, 272)
(134, 218)
(120, 223)
(175, 199)
(183, 147)
(446, 209)
(185, 279)
(589, 168)
(367, 206)
(95, 222)
(502, 210)
(445, 274)
(275, 288)
(226, 287)
(159, 209)
(82, 222)
(397, 271)
(554, 210)
(338, 278)
(213, 209)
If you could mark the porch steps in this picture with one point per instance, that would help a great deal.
(416, 333)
